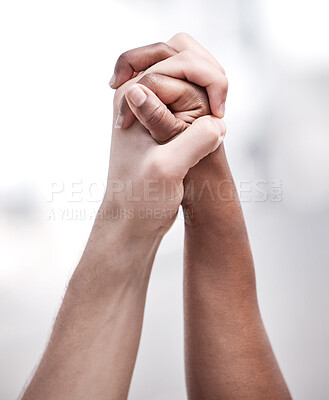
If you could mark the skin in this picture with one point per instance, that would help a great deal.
(227, 351)
(93, 346)
(187, 64)
(94, 342)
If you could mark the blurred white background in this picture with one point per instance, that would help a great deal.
(55, 127)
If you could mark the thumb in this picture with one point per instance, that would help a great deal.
(196, 142)
(153, 114)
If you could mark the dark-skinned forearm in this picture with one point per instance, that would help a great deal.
(228, 354)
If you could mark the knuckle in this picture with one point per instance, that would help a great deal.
(210, 130)
(173, 129)
(123, 58)
(188, 55)
(149, 79)
(209, 127)
(201, 100)
(178, 127)
(213, 139)
(222, 82)
(182, 37)
(214, 136)
(155, 115)
(162, 47)
(225, 83)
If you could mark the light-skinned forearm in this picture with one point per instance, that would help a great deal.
(228, 355)
(93, 346)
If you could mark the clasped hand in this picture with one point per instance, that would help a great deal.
(166, 87)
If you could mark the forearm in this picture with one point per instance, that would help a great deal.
(228, 354)
(93, 347)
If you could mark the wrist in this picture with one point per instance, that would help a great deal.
(114, 257)
(147, 207)
(209, 189)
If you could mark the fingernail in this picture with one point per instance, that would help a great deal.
(136, 95)
(221, 110)
(119, 121)
(113, 79)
